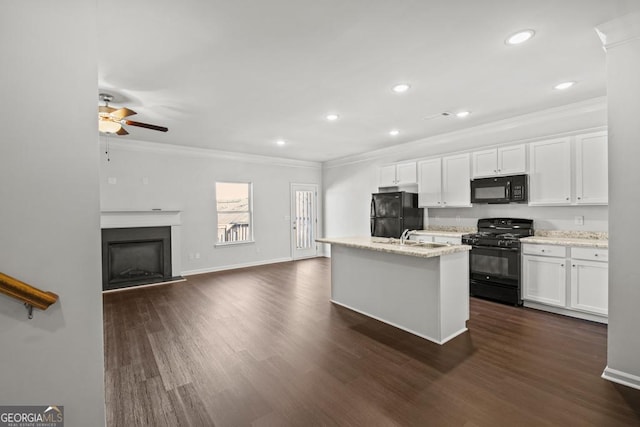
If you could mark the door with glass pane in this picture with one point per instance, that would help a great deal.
(303, 220)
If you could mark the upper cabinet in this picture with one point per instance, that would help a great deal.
(444, 181)
(569, 171)
(591, 169)
(509, 160)
(398, 174)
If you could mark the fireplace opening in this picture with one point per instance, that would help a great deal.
(135, 256)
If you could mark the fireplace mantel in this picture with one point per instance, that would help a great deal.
(153, 218)
(124, 219)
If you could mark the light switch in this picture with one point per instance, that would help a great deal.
(112, 180)
(578, 220)
(145, 180)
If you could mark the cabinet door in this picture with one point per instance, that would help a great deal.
(485, 163)
(387, 176)
(590, 286)
(512, 160)
(550, 172)
(430, 183)
(406, 173)
(591, 169)
(456, 180)
(544, 280)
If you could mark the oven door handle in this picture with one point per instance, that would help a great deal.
(491, 248)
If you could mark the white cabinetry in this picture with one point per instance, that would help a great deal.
(550, 172)
(545, 279)
(569, 171)
(444, 181)
(591, 169)
(589, 280)
(397, 174)
(509, 160)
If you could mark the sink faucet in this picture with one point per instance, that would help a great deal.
(405, 235)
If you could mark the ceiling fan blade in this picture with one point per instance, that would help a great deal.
(146, 125)
(121, 113)
(122, 131)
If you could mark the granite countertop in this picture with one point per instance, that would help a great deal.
(382, 244)
(567, 241)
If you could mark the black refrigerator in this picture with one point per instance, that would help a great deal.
(392, 213)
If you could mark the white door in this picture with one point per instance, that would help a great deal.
(456, 180)
(544, 280)
(430, 183)
(550, 172)
(304, 220)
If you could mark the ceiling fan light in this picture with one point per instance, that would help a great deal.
(107, 126)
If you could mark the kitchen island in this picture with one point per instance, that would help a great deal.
(420, 288)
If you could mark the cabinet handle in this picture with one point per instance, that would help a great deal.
(567, 198)
(595, 255)
(542, 250)
(573, 265)
(561, 265)
(495, 170)
(438, 202)
(579, 198)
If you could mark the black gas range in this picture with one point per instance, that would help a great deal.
(494, 260)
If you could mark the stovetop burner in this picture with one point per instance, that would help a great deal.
(505, 232)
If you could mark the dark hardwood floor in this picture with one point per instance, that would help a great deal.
(264, 346)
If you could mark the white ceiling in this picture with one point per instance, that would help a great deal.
(238, 75)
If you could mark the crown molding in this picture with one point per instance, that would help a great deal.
(619, 31)
(537, 117)
(181, 150)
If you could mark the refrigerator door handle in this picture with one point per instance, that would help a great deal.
(373, 208)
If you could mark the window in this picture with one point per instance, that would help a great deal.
(234, 206)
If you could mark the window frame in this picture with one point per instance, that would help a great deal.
(250, 238)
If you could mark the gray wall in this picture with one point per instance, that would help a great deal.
(183, 179)
(49, 207)
(623, 86)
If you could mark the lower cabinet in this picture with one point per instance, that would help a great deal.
(566, 280)
(544, 280)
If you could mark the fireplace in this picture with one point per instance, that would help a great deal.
(135, 256)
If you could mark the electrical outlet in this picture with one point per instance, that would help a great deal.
(458, 218)
(145, 180)
(197, 255)
(578, 220)
(112, 180)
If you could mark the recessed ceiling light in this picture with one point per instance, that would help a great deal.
(463, 114)
(401, 87)
(519, 37)
(280, 142)
(394, 132)
(332, 117)
(564, 85)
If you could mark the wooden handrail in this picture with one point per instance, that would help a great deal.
(30, 296)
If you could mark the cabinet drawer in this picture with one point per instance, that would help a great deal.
(544, 250)
(590, 254)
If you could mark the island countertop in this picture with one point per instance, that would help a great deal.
(383, 244)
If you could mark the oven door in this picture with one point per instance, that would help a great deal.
(495, 265)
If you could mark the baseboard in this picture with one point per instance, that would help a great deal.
(565, 312)
(235, 266)
(620, 377)
(395, 325)
(148, 285)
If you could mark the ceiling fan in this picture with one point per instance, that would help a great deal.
(110, 120)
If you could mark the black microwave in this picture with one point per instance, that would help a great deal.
(501, 189)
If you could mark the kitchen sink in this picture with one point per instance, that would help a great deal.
(414, 243)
